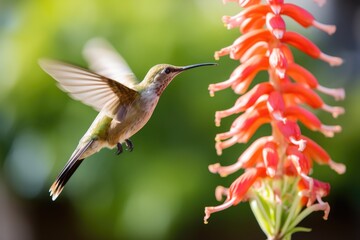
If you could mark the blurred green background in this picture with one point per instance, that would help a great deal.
(159, 190)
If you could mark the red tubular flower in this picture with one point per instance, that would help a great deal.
(242, 75)
(271, 158)
(277, 168)
(237, 191)
(249, 158)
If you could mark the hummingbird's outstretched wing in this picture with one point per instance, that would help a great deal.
(95, 90)
(106, 61)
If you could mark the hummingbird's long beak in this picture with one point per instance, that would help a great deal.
(195, 66)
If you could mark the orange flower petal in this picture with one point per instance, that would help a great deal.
(276, 25)
(237, 190)
(319, 155)
(301, 75)
(271, 158)
(247, 159)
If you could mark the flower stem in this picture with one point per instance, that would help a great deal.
(292, 214)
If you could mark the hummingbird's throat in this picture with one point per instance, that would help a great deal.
(160, 86)
(160, 89)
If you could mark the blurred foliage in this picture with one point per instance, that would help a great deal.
(160, 189)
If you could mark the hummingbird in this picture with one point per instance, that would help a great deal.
(111, 88)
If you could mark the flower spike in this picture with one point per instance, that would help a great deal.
(276, 170)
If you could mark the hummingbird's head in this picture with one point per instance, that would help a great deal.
(159, 76)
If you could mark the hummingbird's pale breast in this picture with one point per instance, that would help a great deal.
(136, 117)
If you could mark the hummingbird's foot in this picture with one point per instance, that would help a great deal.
(129, 145)
(119, 149)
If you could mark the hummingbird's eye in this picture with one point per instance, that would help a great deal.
(167, 70)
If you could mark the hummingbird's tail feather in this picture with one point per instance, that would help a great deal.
(69, 169)
(62, 179)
